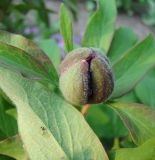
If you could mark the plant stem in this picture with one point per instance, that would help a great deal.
(116, 144)
(84, 109)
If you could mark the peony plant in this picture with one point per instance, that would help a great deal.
(89, 107)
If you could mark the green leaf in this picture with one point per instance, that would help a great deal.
(105, 122)
(13, 147)
(12, 112)
(133, 65)
(66, 27)
(52, 49)
(42, 12)
(8, 124)
(2, 157)
(144, 152)
(50, 128)
(124, 38)
(151, 72)
(26, 7)
(129, 97)
(139, 120)
(100, 27)
(145, 91)
(17, 60)
(72, 6)
(30, 49)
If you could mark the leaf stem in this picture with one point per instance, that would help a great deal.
(116, 144)
(84, 109)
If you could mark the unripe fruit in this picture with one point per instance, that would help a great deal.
(86, 77)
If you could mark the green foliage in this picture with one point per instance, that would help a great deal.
(143, 152)
(44, 124)
(50, 127)
(100, 27)
(13, 14)
(18, 60)
(124, 36)
(8, 124)
(105, 122)
(23, 51)
(132, 6)
(148, 18)
(66, 28)
(133, 65)
(53, 51)
(145, 91)
(12, 147)
(72, 5)
(139, 120)
(144, 8)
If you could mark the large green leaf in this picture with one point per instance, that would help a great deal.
(66, 28)
(145, 91)
(100, 28)
(133, 66)
(13, 147)
(52, 49)
(32, 49)
(105, 122)
(49, 127)
(144, 152)
(124, 38)
(8, 124)
(17, 60)
(139, 120)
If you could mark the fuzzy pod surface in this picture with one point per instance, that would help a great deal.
(86, 77)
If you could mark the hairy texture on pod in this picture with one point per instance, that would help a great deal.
(86, 77)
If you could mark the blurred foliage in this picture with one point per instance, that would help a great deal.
(149, 17)
(132, 6)
(144, 8)
(32, 18)
(14, 17)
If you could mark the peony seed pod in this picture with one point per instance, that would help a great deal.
(86, 77)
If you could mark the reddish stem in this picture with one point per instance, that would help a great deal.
(84, 109)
